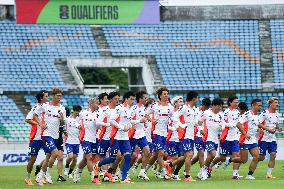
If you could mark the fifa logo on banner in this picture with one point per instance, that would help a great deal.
(64, 12)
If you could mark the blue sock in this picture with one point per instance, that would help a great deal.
(126, 166)
(106, 161)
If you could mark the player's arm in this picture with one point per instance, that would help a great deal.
(278, 127)
(35, 117)
(240, 125)
(113, 118)
(31, 122)
(149, 111)
(261, 125)
(62, 114)
(29, 117)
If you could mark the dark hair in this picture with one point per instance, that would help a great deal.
(67, 111)
(206, 102)
(102, 95)
(149, 102)
(243, 106)
(231, 99)
(140, 95)
(128, 95)
(160, 91)
(191, 95)
(77, 108)
(40, 95)
(255, 101)
(217, 102)
(112, 94)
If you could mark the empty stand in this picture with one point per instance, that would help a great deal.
(196, 55)
(28, 52)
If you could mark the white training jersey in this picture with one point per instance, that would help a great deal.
(140, 112)
(88, 120)
(105, 113)
(35, 133)
(231, 117)
(148, 130)
(199, 128)
(73, 127)
(270, 120)
(102, 117)
(162, 114)
(250, 122)
(126, 115)
(175, 125)
(214, 123)
(190, 118)
(51, 118)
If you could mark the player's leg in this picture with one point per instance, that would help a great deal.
(272, 150)
(254, 151)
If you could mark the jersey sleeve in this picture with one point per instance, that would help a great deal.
(262, 117)
(244, 118)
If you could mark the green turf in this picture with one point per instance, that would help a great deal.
(13, 178)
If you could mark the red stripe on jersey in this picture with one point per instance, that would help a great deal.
(82, 132)
(205, 131)
(103, 130)
(114, 129)
(181, 131)
(170, 133)
(43, 122)
(243, 137)
(33, 132)
(224, 133)
(131, 132)
(261, 133)
(153, 125)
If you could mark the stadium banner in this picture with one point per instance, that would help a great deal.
(87, 12)
(21, 157)
(218, 2)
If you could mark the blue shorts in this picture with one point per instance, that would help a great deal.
(199, 144)
(270, 146)
(211, 146)
(89, 147)
(229, 147)
(72, 148)
(187, 145)
(248, 146)
(50, 143)
(103, 147)
(35, 146)
(122, 145)
(173, 148)
(141, 143)
(159, 143)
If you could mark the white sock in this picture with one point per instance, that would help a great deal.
(48, 171)
(40, 174)
(142, 171)
(235, 173)
(79, 170)
(164, 172)
(92, 174)
(28, 175)
(269, 171)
